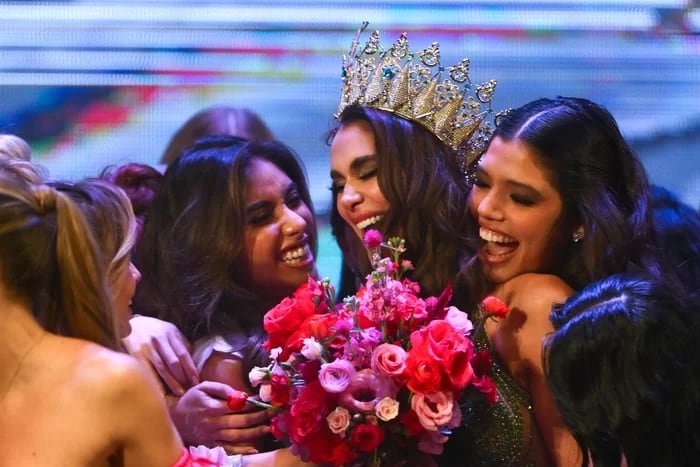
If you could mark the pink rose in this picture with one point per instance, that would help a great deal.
(459, 320)
(433, 410)
(389, 359)
(336, 376)
(338, 420)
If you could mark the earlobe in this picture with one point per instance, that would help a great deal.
(578, 235)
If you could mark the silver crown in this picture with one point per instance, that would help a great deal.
(393, 80)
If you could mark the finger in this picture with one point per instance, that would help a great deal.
(168, 378)
(233, 449)
(242, 435)
(215, 389)
(170, 360)
(243, 420)
(181, 348)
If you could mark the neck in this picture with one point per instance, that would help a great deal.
(19, 332)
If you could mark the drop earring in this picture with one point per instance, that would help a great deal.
(578, 236)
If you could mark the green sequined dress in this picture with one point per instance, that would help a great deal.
(501, 435)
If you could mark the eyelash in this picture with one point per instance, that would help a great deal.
(293, 200)
(525, 201)
(522, 200)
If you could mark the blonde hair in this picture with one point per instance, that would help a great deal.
(21, 168)
(49, 259)
(111, 219)
(15, 147)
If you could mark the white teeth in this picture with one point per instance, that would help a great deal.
(369, 221)
(295, 255)
(491, 236)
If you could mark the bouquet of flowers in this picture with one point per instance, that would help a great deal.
(369, 380)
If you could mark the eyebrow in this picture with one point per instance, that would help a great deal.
(263, 203)
(355, 165)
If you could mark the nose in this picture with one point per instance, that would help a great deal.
(348, 198)
(293, 223)
(489, 206)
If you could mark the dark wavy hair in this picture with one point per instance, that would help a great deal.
(191, 253)
(420, 177)
(219, 120)
(602, 183)
(678, 226)
(623, 367)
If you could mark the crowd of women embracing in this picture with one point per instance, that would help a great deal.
(550, 211)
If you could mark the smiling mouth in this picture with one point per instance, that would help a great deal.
(362, 225)
(497, 247)
(298, 255)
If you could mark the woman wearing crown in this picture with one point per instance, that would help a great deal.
(527, 228)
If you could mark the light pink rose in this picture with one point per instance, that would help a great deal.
(339, 420)
(389, 359)
(312, 349)
(336, 376)
(257, 375)
(265, 392)
(387, 409)
(459, 320)
(433, 410)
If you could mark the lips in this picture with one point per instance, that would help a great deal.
(297, 256)
(498, 247)
(368, 221)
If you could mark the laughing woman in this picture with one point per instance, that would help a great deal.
(230, 233)
(559, 200)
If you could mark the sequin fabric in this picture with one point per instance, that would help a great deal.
(501, 435)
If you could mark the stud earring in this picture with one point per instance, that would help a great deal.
(578, 236)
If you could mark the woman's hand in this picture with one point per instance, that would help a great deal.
(161, 346)
(202, 417)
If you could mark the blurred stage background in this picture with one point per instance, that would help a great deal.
(94, 84)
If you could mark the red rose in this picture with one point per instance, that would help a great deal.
(494, 306)
(423, 371)
(343, 454)
(450, 350)
(317, 326)
(311, 293)
(308, 413)
(366, 437)
(282, 320)
(237, 400)
(279, 385)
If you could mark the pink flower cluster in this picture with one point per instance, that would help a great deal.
(370, 378)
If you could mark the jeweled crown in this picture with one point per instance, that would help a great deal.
(410, 85)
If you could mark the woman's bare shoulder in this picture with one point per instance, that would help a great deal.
(536, 291)
(106, 375)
